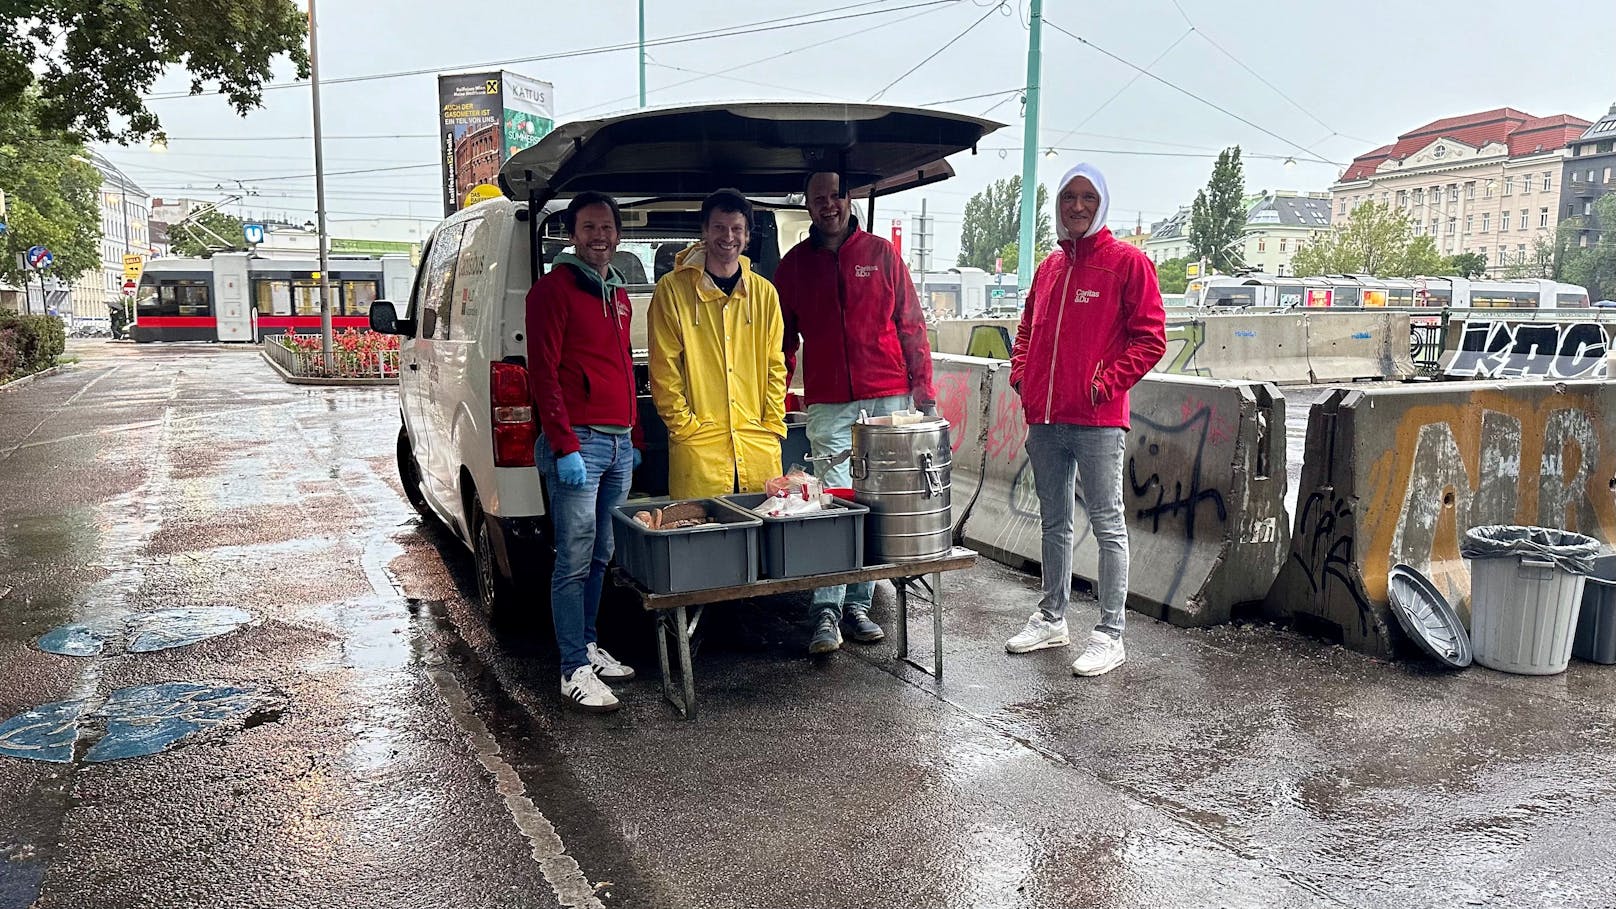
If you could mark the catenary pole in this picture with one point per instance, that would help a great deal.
(1029, 150)
(326, 353)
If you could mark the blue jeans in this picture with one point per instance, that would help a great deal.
(582, 520)
(830, 432)
(1060, 452)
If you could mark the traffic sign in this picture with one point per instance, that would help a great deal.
(128, 288)
(133, 264)
(253, 233)
(39, 257)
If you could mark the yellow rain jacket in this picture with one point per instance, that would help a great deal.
(718, 377)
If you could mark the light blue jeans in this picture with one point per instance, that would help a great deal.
(1060, 454)
(830, 432)
(582, 518)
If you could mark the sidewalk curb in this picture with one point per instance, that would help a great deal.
(15, 383)
(290, 379)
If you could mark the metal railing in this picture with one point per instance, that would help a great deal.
(363, 362)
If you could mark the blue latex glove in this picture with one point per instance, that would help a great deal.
(638, 459)
(570, 469)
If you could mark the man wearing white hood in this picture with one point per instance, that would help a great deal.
(1092, 327)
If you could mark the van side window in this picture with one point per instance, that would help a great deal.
(440, 268)
(469, 267)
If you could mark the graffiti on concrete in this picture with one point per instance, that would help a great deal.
(1184, 341)
(1324, 550)
(954, 403)
(1155, 448)
(1492, 458)
(1491, 349)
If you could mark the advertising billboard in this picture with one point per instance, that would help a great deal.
(483, 119)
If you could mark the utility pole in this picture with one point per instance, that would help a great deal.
(923, 249)
(1029, 149)
(123, 206)
(319, 199)
(642, 53)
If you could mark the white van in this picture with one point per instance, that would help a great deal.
(465, 450)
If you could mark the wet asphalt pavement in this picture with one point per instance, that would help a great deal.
(399, 750)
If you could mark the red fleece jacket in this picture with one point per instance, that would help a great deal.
(1092, 327)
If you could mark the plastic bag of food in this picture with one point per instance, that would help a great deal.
(786, 506)
(797, 483)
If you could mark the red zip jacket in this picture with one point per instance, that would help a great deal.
(858, 316)
(1093, 326)
(579, 366)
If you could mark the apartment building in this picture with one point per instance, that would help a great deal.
(125, 226)
(1590, 172)
(1487, 182)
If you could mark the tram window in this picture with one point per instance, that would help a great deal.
(1569, 301)
(1290, 294)
(176, 298)
(1400, 296)
(1232, 296)
(273, 298)
(357, 297)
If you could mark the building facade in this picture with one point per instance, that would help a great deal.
(1278, 225)
(1589, 174)
(1487, 182)
(1169, 238)
(125, 213)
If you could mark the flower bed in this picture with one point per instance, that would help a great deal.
(355, 354)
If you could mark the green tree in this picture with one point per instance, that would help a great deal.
(93, 61)
(1173, 274)
(50, 189)
(993, 219)
(1467, 265)
(1218, 217)
(206, 234)
(1538, 262)
(1376, 240)
(1593, 266)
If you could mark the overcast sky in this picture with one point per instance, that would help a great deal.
(1349, 77)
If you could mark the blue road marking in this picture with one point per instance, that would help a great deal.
(178, 627)
(148, 719)
(72, 640)
(45, 733)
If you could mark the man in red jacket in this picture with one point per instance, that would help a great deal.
(1092, 327)
(581, 372)
(848, 296)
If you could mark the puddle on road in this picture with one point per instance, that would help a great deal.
(136, 722)
(145, 632)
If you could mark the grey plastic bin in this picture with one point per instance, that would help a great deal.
(721, 554)
(1526, 588)
(814, 543)
(1596, 627)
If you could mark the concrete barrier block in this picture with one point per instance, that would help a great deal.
(1203, 488)
(1488, 348)
(1344, 346)
(1399, 474)
(964, 393)
(1184, 339)
(1268, 347)
(954, 335)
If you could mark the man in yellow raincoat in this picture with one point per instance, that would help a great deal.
(718, 371)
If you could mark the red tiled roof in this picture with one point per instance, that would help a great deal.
(1523, 132)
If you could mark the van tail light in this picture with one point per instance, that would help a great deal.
(514, 428)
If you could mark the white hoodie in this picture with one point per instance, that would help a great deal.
(1094, 176)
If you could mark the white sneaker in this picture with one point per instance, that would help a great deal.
(587, 692)
(1039, 634)
(1103, 654)
(607, 666)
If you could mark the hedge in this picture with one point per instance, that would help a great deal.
(29, 344)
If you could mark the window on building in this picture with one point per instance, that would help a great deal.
(1419, 197)
(1607, 174)
(1402, 198)
(1548, 181)
(1419, 228)
(1453, 192)
(1520, 253)
(1486, 218)
(1262, 246)
(1453, 226)
(1470, 190)
(1543, 217)
(1587, 208)
(1524, 214)
(1526, 184)
(1487, 190)
(1343, 211)
(1509, 185)
(1281, 244)
(1433, 227)
(1503, 221)
(1470, 223)
(1583, 240)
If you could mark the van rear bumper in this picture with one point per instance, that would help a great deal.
(522, 546)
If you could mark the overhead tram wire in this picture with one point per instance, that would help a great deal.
(929, 57)
(751, 28)
(1127, 85)
(1184, 91)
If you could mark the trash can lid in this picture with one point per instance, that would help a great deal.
(1427, 616)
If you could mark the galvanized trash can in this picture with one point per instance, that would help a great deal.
(1526, 587)
(902, 471)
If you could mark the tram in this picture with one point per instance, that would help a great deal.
(1337, 291)
(235, 297)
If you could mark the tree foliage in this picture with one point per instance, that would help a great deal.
(205, 234)
(50, 189)
(1467, 265)
(1594, 266)
(92, 61)
(1173, 274)
(1218, 217)
(1376, 240)
(1537, 263)
(993, 219)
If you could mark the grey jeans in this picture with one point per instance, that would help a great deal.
(1060, 453)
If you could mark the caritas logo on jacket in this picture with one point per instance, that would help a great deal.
(1092, 327)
